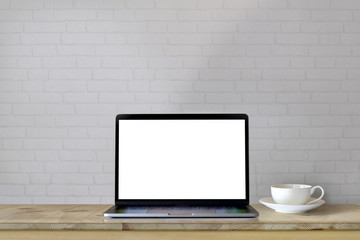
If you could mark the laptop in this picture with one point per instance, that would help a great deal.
(181, 166)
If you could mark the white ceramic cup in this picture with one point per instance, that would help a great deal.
(294, 194)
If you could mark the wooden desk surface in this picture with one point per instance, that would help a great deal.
(89, 217)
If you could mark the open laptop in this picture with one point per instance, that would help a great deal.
(181, 166)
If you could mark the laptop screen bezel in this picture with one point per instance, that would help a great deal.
(181, 202)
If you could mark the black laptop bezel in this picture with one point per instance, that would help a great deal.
(181, 202)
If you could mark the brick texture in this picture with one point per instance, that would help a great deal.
(67, 67)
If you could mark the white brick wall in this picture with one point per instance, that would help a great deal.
(67, 67)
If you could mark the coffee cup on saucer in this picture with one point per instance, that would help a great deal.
(294, 194)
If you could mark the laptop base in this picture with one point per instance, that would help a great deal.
(181, 212)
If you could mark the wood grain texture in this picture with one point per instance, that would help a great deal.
(89, 217)
(177, 235)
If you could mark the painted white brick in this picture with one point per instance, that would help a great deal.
(83, 38)
(236, 108)
(151, 51)
(330, 51)
(4, 4)
(174, 4)
(116, 50)
(320, 132)
(288, 155)
(328, 144)
(9, 121)
(347, 167)
(172, 50)
(289, 51)
(58, 62)
(223, 97)
(174, 74)
(182, 27)
(329, 155)
(75, 50)
(290, 27)
(219, 74)
(155, 15)
(10, 28)
(331, 15)
(223, 39)
(116, 97)
(80, 97)
(327, 178)
(309, 4)
(242, 4)
(229, 15)
(296, 144)
(308, 109)
(44, 27)
(10, 74)
(186, 98)
(42, 144)
(75, 15)
(289, 133)
(257, 51)
(277, 86)
(194, 15)
(268, 4)
(289, 15)
(14, 178)
(345, 4)
(101, 190)
(40, 38)
(210, 4)
(29, 62)
(284, 74)
(84, 144)
(353, 178)
(7, 62)
(301, 167)
(165, 62)
(35, 190)
(273, 167)
(217, 27)
(262, 144)
(270, 179)
(152, 97)
(350, 38)
(171, 86)
(242, 63)
(9, 167)
(297, 38)
(258, 97)
(97, 109)
(254, 38)
(138, 86)
(148, 38)
(272, 109)
(27, 4)
(202, 108)
(334, 121)
(11, 190)
(105, 4)
(158, 27)
(139, 4)
(16, 15)
(320, 86)
(213, 86)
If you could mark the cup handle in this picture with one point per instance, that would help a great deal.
(313, 190)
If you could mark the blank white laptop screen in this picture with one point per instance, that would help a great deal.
(181, 159)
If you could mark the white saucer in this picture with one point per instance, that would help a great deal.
(269, 202)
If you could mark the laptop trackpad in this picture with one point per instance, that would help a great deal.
(180, 211)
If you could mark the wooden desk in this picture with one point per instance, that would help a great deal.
(86, 222)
